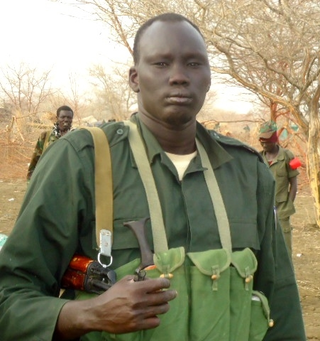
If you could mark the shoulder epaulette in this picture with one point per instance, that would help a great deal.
(230, 141)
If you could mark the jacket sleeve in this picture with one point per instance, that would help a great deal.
(42, 242)
(275, 275)
(291, 172)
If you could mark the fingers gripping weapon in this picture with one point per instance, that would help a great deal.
(138, 228)
(88, 275)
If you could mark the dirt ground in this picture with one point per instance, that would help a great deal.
(306, 246)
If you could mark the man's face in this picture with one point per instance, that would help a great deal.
(172, 75)
(65, 120)
(268, 146)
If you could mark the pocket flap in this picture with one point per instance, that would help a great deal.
(212, 261)
(166, 262)
(245, 262)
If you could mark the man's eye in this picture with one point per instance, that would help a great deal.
(161, 64)
(194, 64)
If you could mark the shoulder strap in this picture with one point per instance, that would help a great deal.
(216, 198)
(141, 159)
(103, 182)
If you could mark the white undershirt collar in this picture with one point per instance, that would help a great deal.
(181, 162)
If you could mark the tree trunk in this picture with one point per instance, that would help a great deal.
(313, 167)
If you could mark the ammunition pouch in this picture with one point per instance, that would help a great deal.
(215, 301)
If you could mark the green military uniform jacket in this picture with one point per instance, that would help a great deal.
(282, 172)
(58, 221)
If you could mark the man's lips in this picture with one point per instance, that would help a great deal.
(65, 126)
(178, 99)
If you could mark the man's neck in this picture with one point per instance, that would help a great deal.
(273, 153)
(175, 140)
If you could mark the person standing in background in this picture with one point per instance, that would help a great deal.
(285, 174)
(60, 128)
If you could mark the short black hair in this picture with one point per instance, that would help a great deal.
(167, 17)
(65, 108)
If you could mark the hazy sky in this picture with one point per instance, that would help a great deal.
(51, 36)
(54, 36)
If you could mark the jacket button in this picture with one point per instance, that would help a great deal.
(120, 131)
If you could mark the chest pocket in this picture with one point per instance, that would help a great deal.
(281, 170)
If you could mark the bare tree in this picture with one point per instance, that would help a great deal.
(271, 47)
(113, 97)
(76, 100)
(23, 89)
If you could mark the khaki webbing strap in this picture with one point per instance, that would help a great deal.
(217, 201)
(103, 182)
(141, 159)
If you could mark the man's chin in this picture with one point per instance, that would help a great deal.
(178, 118)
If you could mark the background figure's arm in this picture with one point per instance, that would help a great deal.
(36, 155)
(293, 188)
(34, 160)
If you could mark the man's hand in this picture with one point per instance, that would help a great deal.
(127, 306)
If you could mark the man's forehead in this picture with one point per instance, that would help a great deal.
(174, 27)
(65, 112)
(160, 33)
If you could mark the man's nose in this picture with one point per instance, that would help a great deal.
(179, 75)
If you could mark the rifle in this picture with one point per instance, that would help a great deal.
(87, 275)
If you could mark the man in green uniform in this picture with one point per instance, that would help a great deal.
(285, 174)
(171, 76)
(60, 128)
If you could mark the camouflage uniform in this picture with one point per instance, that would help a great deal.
(46, 138)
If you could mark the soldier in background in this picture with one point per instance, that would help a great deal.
(283, 167)
(60, 128)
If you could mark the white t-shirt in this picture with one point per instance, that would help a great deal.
(181, 162)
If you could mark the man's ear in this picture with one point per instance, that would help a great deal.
(134, 79)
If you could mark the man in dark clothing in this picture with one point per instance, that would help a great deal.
(211, 191)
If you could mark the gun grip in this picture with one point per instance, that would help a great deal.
(138, 228)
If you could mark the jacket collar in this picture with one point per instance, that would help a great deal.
(217, 154)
